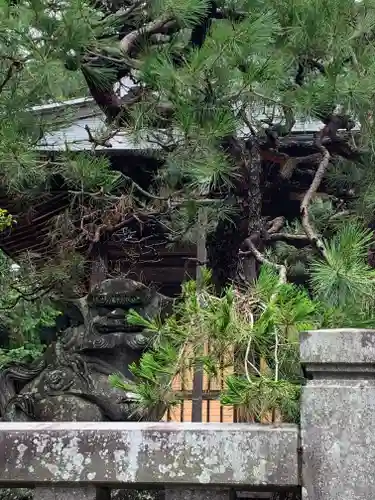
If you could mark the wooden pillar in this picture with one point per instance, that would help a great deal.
(197, 393)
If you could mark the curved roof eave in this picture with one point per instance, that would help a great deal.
(85, 113)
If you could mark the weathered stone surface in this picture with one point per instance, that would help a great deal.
(63, 493)
(137, 494)
(196, 494)
(147, 453)
(338, 415)
(70, 381)
(338, 346)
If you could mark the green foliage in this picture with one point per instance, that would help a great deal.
(260, 396)
(22, 315)
(247, 69)
(186, 12)
(6, 220)
(344, 278)
(261, 322)
(288, 308)
(89, 173)
(38, 42)
(257, 322)
(244, 72)
(25, 354)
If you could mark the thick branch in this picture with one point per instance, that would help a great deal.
(14, 67)
(263, 260)
(275, 225)
(131, 39)
(143, 191)
(289, 237)
(287, 170)
(306, 224)
(107, 100)
(224, 243)
(101, 141)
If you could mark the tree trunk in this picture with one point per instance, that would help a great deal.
(224, 243)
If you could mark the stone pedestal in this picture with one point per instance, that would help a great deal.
(66, 493)
(196, 494)
(338, 414)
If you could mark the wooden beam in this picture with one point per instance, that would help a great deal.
(197, 399)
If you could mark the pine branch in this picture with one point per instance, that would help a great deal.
(15, 66)
(287, 170)
(242, 114)
(288, 237)
(247, 356)
(305, 218)
(281, 129)
(263, 260)
(276, 225)
(101, 141)
(132, 8)
(144, 192)
(131, 39)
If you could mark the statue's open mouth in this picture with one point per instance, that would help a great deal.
(115, 321)
(124, 300)
(110, 327)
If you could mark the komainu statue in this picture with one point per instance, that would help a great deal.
(70, 382)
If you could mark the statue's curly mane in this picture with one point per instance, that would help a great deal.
(14, 376)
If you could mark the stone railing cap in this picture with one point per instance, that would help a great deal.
(341, 346)
(118, 453)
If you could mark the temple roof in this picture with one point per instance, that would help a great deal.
(84, 112)
(76, 137)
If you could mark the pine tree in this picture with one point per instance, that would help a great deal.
(240, 61)
(218, 88)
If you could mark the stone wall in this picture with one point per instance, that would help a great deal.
(148, 453)
(331, 456)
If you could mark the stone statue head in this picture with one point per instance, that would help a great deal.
(107, 308)
(71, 382)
